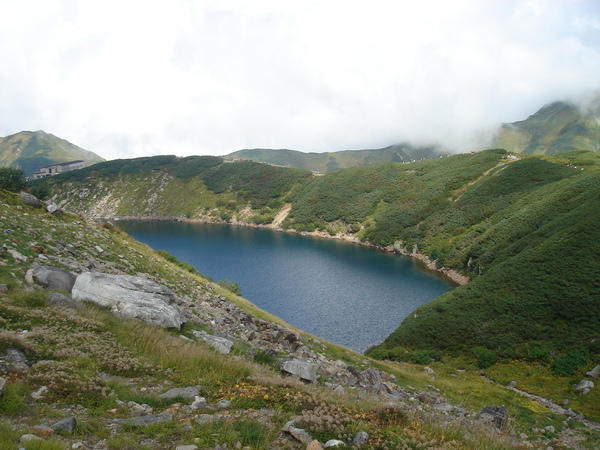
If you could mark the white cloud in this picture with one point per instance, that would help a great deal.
(129, 78)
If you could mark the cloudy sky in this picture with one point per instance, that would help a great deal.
(127, 78)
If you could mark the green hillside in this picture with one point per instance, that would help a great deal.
(524, 229)
(166, 187)
(557, 127)
(331, 161)
(109, 375)
(30, 150)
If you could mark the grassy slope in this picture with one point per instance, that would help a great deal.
(166, 187)
(31, 150)
(525, 230)
(555, 128)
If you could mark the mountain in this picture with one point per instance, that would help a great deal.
(30, 150)
(74, 374)
(114, 367)
(523, 229)
(330, 161)
(555, 128)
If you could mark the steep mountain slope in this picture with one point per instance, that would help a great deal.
(524, 229)
(555, 128)
(30, 150)
(330, 161)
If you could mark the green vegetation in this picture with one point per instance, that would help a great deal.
(196, 187)
(90, 358)
(12, 179)
(185, 266)
(523, 229)
(232, 286)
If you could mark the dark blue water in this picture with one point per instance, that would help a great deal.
(348, 294)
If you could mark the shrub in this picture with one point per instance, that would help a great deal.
(231, 286)
(425, 357)
(12, 179)
(568, 365)
(486, 359)
(185, 266)
(41, 191)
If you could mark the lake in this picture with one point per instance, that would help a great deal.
(348, 294)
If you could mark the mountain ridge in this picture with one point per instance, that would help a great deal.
(31, 150)
(557, 127)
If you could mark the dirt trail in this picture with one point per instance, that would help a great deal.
(281, 215)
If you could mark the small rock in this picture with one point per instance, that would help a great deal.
(298, 433)
(428, 399)
(428, 370)
(222, 404)
(42, 431)
(205, 419)
(68, 425)
(199, 403)
(3, 288)
(30, 439)
(188, 393)
(594, 372)
(16, 255)
(585, 386)
(333, 443)
(361, 438)
(220, 344)
(512, 384)
(496, 415)
(146, 420)
(53, 209)
(2, 384)
(40, 393)
(314, 445)
(17, 360)
(186, 447)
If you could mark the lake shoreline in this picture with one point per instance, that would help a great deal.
(450, 274)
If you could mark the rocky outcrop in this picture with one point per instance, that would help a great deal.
(52, 277)
(220, 344)
(301, 369)
(130, 296)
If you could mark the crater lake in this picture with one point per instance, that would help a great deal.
(348, 294)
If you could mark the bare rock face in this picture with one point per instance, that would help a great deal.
(130, 296)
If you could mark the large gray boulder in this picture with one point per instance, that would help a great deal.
(53, 278)
(130, 296)
(301, 369)
(29, 199)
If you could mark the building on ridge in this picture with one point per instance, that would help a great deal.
(54, 169)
